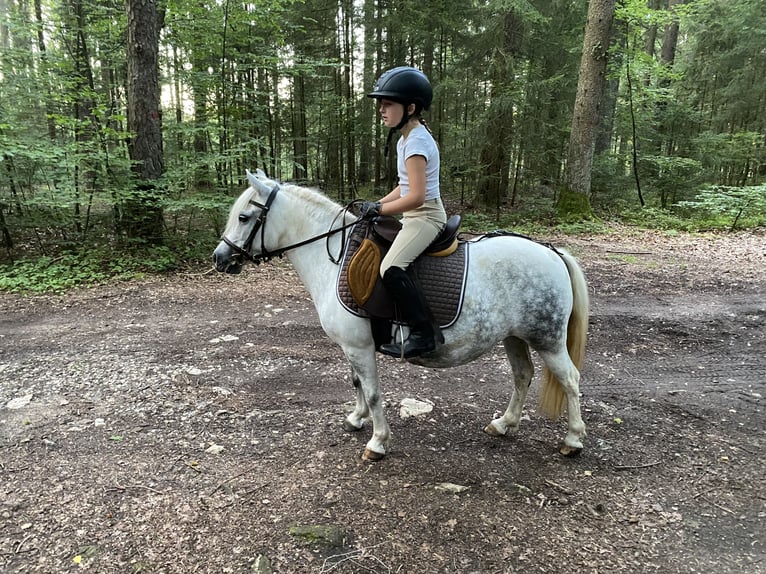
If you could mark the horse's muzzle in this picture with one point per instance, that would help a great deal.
(225, 262)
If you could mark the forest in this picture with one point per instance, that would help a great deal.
(126, 127)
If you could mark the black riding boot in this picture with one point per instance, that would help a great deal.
(415, 311)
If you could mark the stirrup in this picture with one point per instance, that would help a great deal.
(401, 351)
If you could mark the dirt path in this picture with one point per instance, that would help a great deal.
(178, 425)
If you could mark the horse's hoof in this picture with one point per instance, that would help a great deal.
(372, 456)
(569, 451)
(492, 429)
(348, 427)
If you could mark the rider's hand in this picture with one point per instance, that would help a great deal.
(369, 209)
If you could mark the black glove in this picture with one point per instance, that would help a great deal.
(369, 209)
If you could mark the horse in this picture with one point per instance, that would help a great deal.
(518, 291)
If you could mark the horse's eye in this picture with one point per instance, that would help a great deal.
(243, 218)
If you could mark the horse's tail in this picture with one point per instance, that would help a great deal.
(552, 396)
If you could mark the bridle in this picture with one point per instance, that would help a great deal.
(245, 251)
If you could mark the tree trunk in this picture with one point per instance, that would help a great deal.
(202, 177)
(667, 59)
(141, 213)
(611, 93)
(367, 107)
(574, 201)
(670, 37)
(495, 157)
(82, 90)
(5, 33)
(276, 122)
(300, 135)
(177, 99)
(346, 43)
(45, 70)
(651, 32)
(378, 130)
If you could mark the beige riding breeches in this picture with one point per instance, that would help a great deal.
(419, 228)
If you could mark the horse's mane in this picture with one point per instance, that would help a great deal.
(314, 202)
(312, 197)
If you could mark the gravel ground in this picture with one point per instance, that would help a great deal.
(174, 426)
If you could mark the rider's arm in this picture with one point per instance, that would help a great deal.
(395, 194)
(416, 173)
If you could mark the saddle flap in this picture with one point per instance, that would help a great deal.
(363, 271)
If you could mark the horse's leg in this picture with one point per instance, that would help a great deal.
(355, 420)
(368, 401)
(523, 370)
(568, 376)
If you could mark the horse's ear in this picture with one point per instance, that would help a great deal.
(261, 173)
(250, 178)
(257, 183)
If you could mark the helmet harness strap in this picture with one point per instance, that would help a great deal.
(405, 118)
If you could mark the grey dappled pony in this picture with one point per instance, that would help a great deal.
(517, 291)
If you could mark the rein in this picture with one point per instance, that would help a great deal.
(245, 250)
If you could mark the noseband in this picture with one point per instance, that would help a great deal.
(260, 224)
(245, 251)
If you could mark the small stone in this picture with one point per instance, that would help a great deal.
(328, 535)
(19, 402)
(521, 489)
(224, 339)
(451, 487)
(413, 407)
(262, 565)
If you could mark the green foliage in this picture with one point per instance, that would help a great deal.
(670, 178)
(658, 218)
(744, 206)
(573, 207)
(243, 76)
(729, 157)
(477, 222)
(713, 208)
(85, 267)
(613, 188)
(585, 227)
(722, 68)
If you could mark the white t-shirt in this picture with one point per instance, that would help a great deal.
(418, 142)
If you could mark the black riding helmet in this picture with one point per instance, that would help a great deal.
(404, 85)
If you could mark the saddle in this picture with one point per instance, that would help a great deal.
(440, 272)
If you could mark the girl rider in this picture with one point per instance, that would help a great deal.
(402, 94)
